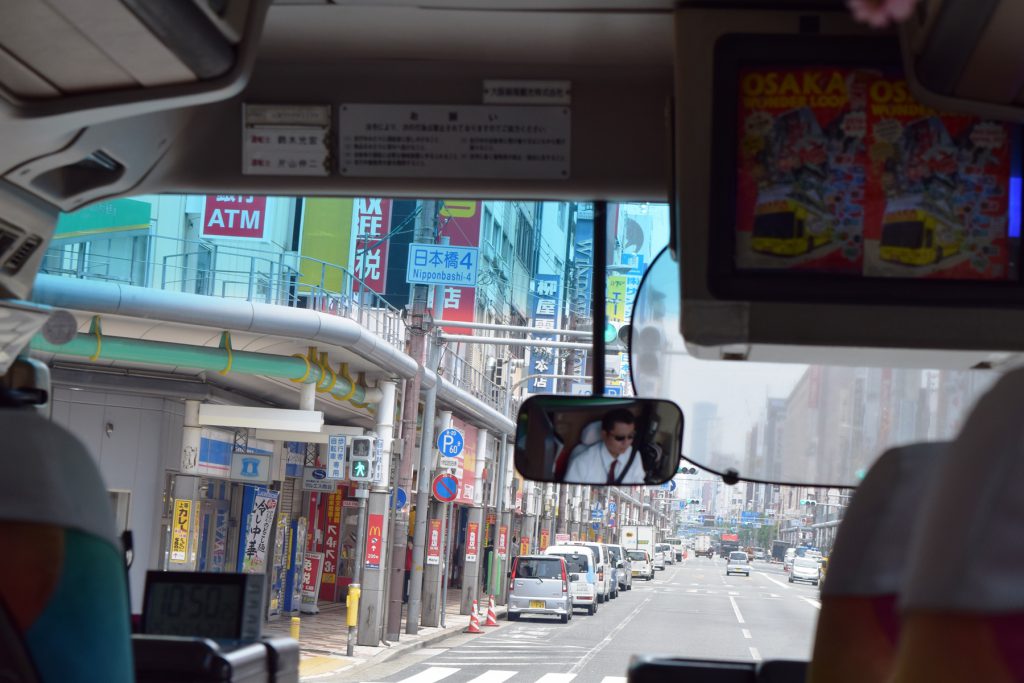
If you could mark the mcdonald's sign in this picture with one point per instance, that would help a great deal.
(374, 540)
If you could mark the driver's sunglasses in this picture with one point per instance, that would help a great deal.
(623, 437)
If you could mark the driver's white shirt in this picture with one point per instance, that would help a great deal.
(591, 465)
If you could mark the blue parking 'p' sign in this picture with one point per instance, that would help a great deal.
(450, 442)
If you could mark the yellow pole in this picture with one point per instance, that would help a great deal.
(295, 627)
(352, 615)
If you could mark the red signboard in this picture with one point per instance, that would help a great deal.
(472, 541)
(332, 534)
(374, 540)
(434, 542)
(730, 537)
(228, 215)
(311, 566)
(840, 170)
(503, 541)
(371, 224)
(459, 221)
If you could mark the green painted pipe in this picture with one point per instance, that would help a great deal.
(298, 369)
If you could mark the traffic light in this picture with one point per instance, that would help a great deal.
(808, 501)
(695, 501)
(361, 459)
(616, 336)
(687, 470)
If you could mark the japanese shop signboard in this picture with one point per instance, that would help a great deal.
(459, 223)
(332, 540)
(374, 540)
(434, 542)
(840, 170)
(257, 532)
(472, 541)
(545, 315)
(227, 215)
(312, 571)
(372, 223)
(180, 531)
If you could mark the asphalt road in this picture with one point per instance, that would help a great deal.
(689, 610)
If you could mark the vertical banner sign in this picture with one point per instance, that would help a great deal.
(332, 536)
(434, 542)
(257, 535)
(179, 532)
(472, 541)
(524, 545)
(374, 540)
(503, 542)
(372, 219)
(465, 470)
(545, 316)
(458, 221)
(582, 284)
(336, 456)
(545, 539)
(312, 572)
(227, 215)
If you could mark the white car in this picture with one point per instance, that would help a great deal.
(738, 563)
(659, 558)
(641, 565)
(667, 552)
(580, 563)
(805, 569)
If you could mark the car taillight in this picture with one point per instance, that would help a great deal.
(565, 581)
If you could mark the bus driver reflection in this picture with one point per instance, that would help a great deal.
(612, 459)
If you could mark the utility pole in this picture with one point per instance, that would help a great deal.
(412, 623)
(418, 327)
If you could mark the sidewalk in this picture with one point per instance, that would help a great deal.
(323, 637)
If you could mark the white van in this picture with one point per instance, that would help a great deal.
(607, 587)
(580, 561)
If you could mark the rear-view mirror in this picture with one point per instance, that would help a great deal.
(598, 441)
(574, 577)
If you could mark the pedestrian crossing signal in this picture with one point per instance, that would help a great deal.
(361, 459)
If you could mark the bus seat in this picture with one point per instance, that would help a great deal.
(962, 604)
(782, 671)
(63, 586)
(858, 628)
(589, 435)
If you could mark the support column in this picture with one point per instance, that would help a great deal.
(505, 519)
(435, 574)
(374, 583)
(471, 577)
(425, 469)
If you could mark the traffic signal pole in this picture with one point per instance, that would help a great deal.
(426, 232)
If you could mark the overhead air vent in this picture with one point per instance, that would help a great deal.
(8, 238)
(22, 254)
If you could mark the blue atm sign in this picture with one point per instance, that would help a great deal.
(442, 264)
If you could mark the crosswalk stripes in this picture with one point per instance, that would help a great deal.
(434, 674)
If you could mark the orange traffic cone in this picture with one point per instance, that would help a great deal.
(492, 618)
(474, 621)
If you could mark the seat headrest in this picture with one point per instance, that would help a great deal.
(966, 554)
(872, 545)
(50, 478)
(591, 434)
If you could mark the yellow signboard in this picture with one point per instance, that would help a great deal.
(179, 530)
(616, 291)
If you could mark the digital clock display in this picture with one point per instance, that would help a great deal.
(219, 606)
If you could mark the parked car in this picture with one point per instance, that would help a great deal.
(606, 586)
(641, 564)
(667, 552)
(759, 554)
(805, 569)
(658, 557)
(620, 560)
(738, 563)
(580, 564)
(540, 584)
(787, 563)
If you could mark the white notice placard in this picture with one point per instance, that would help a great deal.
(439, 141)
(285, 140)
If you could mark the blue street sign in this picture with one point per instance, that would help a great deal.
(595, 526)
(445, 487)
(450, 442)
(442, 264)
(399, 498)
(611, 507)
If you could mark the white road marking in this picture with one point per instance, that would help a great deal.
(494, 676)
(778, 583)
(607, 639)
(736, 609)
(556, 678)
(775, 595)
(755, 655)
(431, 675)
(691, 590)
(733, 592)
(613, 679)
(746, 633)
(812, 603)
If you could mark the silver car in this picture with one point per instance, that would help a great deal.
(738, 563)
(540, 584)
(621, 563)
